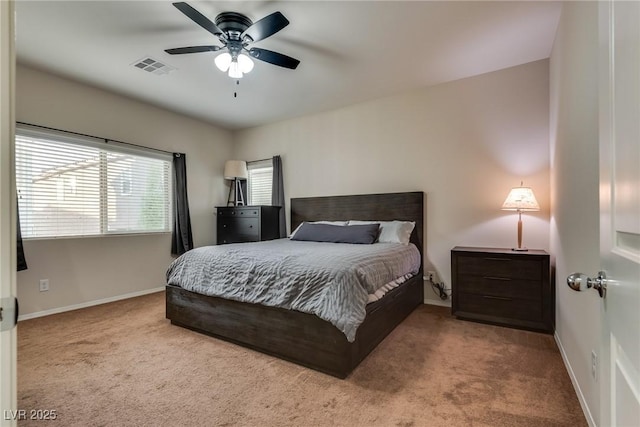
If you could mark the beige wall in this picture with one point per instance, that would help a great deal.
(89, 269)
(574, 190)
(464, 143)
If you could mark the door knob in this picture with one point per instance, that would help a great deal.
(581, 282)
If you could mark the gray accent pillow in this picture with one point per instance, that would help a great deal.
(362, 234)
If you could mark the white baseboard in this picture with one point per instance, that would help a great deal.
(576, 386)
(88, 304)
(446, 303)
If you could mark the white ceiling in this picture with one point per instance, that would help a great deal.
(349, 51)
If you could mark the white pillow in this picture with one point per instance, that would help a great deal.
(318, 222)
(391, 231)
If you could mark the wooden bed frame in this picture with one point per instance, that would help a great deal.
(303, 338)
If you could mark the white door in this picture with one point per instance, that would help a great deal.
(620, 210)
(8, 338)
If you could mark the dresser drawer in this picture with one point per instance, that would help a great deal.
(238, 212)
(236, 238)
(499, 307)
(500, 287)
(500, 267)
(239, 226)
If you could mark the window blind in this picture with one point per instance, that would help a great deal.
(79, 186)
(260, 182)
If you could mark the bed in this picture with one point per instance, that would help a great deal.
(305, 338)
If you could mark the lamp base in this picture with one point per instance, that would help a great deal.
(520, 248)
(230, 201)
(235, 191)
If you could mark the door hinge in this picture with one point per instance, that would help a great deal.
(8, 313)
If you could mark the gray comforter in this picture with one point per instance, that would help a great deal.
(330, 280)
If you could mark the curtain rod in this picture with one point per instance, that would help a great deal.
(106, 140)
(260, 160)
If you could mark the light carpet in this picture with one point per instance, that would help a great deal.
(124, 364)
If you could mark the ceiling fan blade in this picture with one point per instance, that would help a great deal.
(266, 27)
(199, 18)
(274, 58)
(192, 49)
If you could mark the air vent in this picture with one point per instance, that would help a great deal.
(153, 66)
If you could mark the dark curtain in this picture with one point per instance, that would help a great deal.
(277, 194)
(22, 262)
(181, 237)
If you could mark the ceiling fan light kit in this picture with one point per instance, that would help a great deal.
(236, 32)
(236, 67)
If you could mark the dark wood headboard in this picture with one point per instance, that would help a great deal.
(382, 207)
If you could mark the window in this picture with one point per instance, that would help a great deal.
(260, 182)
(71, 185)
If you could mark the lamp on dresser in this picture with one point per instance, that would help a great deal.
(235, 170)
(520, 199)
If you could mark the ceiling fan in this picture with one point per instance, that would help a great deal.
(236, 32)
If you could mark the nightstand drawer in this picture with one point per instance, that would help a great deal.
(500, 307)
(500, 266)
(500, 287)
(239, 212)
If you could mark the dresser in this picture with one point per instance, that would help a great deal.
(503, 287)
(237, 224)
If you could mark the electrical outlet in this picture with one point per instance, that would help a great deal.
(594, 365)
(431, 276)
(44, 285)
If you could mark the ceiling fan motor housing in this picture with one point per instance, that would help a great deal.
(233, 24)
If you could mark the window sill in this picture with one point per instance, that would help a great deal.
(159, 233)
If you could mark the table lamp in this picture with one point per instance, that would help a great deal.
(520, 199)
(235, 170)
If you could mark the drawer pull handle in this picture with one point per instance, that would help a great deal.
(497, 259)
(251, 226)
(505, 279)
(224, 226)
(500, 298)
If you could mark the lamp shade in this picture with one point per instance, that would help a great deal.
(223, 61)
(235, 169)
(245, 63)
(234, 70)
(521, 199)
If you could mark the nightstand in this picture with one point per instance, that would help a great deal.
(503, 287)
(238, 224)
